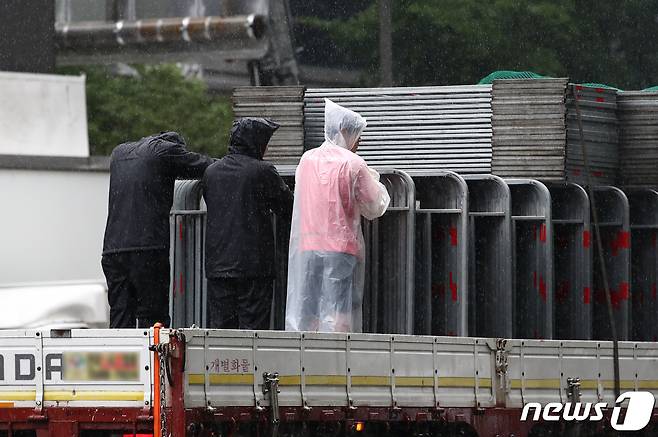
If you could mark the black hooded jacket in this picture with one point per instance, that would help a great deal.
(142, 177)
(241, 192)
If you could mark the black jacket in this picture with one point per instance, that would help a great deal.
(241, 192)
(142, 177)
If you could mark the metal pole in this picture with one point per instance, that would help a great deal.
(599, 246)
(385, 43)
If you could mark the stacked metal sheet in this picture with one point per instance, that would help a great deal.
(638, 118)
(285, 106)
(598, 112)
(536, 132)
(529, 129)
(446, 127)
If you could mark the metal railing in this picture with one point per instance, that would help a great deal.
(572, 262)
(613, 212)
(490, 263)
(441, 275)
(644, 263)
(532, 259)
(388, 300)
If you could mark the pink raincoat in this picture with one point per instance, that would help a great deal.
(333, 188)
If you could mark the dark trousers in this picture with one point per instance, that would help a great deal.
(138, 288)
(237, 303)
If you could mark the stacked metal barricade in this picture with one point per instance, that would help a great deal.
(598, 112)
(536, 132)
(444, 127)
(284, 105)
(638, 116)
(529, 129)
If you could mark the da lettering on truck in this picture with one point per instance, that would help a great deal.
(22, 367)
(638, 412)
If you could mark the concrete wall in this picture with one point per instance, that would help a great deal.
(43, 114)
(52, 225)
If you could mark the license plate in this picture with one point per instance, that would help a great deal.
(100, 366)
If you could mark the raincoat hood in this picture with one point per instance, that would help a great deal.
(172, 137)
(249, 136)
(342, 127)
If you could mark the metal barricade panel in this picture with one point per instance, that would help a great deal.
(644, 263)
(188, 282)
(490, 263)
(532, 259)
(572, 260)
(281, 251)
(441, 258)
(613, 213)
(388, 299)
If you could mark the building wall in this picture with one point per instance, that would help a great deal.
(43, 114)
(52, 225)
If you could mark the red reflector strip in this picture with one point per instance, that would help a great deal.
(542, 233)
(180, 230)
(587, 295)
(138, 435)
(624, 240)
(598, 90)
(586, 239)
(453, 236)
(624, 291)
(597, 174)
(453, 289)
(579, 87)
(600, 99)
(653, 291)
(542, 288)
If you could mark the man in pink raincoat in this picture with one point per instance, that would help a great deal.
(334, 187)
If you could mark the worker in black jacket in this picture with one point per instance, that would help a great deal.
(136, 246)
(241, 192)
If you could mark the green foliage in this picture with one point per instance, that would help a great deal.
(461, 41)
(124, 108)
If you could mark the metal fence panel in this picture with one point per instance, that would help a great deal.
(412, 128)
(536, 133)
(572, 262)
(490, 263)
(613, 214)
(284, 105)
(528, 122)
(644, 263)
(388, 301)
(187, 295)
(441, 258)
(598, 110)
(532, 259)
(638, 111)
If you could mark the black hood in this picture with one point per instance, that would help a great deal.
(249, 136)
(172, 137)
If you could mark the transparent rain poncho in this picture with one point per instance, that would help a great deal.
(333, 188)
